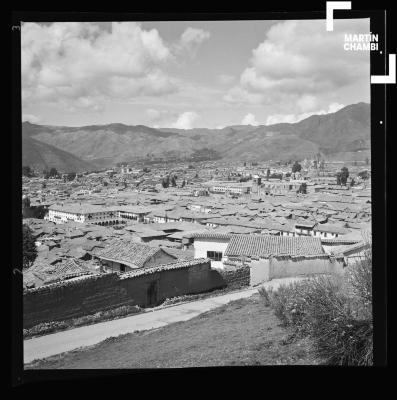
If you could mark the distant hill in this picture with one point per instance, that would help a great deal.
(42, 156)
(347, 130)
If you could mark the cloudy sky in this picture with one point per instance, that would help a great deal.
(189, 74)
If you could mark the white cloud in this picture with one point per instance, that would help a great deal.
(292, 118)
(300, 66)
(249, 119)
(186, 120)
(192, 37)
(33, 119)
(80, 65)
(334, 107)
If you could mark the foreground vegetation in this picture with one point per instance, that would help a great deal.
(243, 332)
(335, 314)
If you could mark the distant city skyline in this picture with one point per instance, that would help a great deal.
(189, 74)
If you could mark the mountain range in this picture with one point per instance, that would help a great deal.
(344, 134)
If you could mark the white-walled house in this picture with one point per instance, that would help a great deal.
(274, 257)
(136, 213)
(81, 213)
(327, 231)
(211, 245)
(268, 256)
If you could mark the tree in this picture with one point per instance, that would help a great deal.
(344, 175)
(315, 164)
(165, 183)
(296, 167)
(27, 171)
(267, 174)
(173, 180)
(303, 188)
(29, 251)
(364, 175)
(339, 178)
(70, 176)
(53, 173)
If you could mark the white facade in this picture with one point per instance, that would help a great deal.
(60, 217)
(231, 189)
(203, 246)
(327, 235)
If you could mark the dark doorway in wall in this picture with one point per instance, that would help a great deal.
(152, 293)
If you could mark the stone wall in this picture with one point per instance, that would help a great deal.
(238, 276)
(90, 294)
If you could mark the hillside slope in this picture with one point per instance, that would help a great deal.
(42, 156)
(347, 130)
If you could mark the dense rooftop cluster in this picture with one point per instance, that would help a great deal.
(129, 216)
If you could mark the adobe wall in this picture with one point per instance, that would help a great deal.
(259, 271)
(72, 299)
(88, 295)
(283, 268)
(173, 283)
(263, 270)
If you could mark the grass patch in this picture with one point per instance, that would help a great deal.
(335, 313)
(201, 296)
(243, 332)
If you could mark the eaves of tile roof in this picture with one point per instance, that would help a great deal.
(211, 235)
(165, 267)
(264, 246)
(135, 255)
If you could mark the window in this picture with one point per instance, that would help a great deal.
(214, 255)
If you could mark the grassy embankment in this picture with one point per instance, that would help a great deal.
(243, 332)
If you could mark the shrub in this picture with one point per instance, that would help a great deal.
(335, 314)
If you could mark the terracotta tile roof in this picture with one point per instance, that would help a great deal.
(349, 249)
(269, 245)
(211, 235)
(50, 273)
(340, 241)
(165, 267)
(135, 255)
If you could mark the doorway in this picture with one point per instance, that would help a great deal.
(152, 294)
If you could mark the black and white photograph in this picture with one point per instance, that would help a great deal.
(198, 192)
